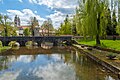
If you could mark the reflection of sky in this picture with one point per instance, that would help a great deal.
(44, 67)
(51, 67)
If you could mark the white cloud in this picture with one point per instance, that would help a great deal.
(10, 75)
(56, 3)
(35, 12)
(21, 1)
(55, 71)
(24, 15)
(57, 18)
(61, 7)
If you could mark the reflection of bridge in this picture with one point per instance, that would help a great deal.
(39, 40)
(36, 51)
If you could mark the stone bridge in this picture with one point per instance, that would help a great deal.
(39, 40)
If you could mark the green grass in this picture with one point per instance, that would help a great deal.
(104, 43)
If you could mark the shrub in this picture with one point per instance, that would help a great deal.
(13, 44)
(1, 45)
(28, 43)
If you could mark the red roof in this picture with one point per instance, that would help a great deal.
(24, 27)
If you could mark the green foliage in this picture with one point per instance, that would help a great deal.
(12, 43)
(109, 23)
(118, 29)
(1, 45)
(66, 27)
(33, 23)
(29, 43)
(48, 26)
(91, 18)
(74, 29)
(11, 31)
(27, 32)
(114, 23)
(8, 29)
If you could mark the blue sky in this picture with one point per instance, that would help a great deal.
(42, 9)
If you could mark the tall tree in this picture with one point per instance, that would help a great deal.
(4, 22)
(114, 23)
(47, 26)
(74, 30)
(92, 18)
(16, 21)
(65, 27)
(109, 23)
(33, 23)
(26, 32)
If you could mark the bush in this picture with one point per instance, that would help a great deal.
(1, 45)
(13, 44)
(28, 43)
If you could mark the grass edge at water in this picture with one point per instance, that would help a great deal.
(104, 43)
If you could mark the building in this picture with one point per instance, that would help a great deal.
(37, 31)
(20, 30)
(46, 32)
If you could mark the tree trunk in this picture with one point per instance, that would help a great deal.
(6, 33)
(98, 30)
(97, 39)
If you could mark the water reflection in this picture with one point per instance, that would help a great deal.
(46, 45)
(59, 65)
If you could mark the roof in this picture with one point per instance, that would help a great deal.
(23, 27)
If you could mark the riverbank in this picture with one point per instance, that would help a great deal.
(100, 57)
(4, 48)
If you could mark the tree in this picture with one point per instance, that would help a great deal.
(61, 29)
(16, 21)
(65, 27)
(92, 18)
(4, 22)
(47, 26)
(33, 23)
(109, 23)
(74, 30)
(26, 32)
(114, 23)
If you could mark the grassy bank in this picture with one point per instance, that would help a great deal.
(104, 43)
(4, 48)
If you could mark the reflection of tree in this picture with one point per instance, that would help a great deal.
(84, 68)
(49, 56)
(3, 62)
(33, 57)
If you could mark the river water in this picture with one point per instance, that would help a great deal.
(58, 63)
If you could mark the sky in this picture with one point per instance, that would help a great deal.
(41, 9)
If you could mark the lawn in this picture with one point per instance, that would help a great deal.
(104, 43)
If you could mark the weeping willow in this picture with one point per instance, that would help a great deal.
(91, 18)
